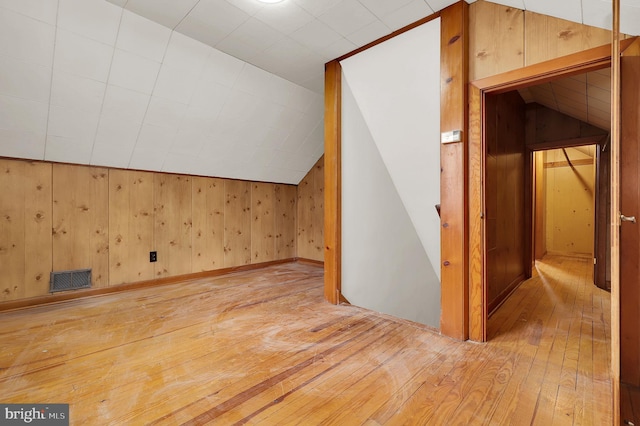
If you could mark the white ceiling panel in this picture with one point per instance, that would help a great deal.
(347, 17)
(407, 14)
(125, 103)
(369, 33)
(23, 115)
(24, 80)
(25, 38)
(73, 91)
(382, 8)
(133, 72)
(143, 37)
(286, 18)
(82, 56)
(94, 19)
(165, 12)
(42, 10)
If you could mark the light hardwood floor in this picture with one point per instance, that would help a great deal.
(262, 347)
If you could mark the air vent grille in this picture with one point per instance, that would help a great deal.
(70, 280)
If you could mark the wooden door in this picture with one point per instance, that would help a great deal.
(629, 206)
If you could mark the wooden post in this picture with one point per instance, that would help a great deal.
(332, 181)
(615, 211)
(454, 320)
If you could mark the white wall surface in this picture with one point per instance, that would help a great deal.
(391, 176)
(84, 81)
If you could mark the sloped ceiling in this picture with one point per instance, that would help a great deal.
(228, 88)
(293, 38)
(586, 97)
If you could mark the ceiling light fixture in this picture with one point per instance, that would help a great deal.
(269, 1)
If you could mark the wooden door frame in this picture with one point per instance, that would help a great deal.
(577, 63)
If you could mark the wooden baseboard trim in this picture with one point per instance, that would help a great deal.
(495, 304)
(310, 261)
(76, 294)
(343, 300)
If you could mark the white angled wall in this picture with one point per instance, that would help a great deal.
(84, 81)
(391, 176)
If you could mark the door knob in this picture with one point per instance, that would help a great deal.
(628, 218)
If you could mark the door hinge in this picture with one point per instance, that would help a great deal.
(595, 261)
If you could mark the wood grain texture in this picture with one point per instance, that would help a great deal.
(505, 194)
(208, 202)
(332, 182)
(285, 211)
(547, 37)
(81, 220)
(259, 347)
(504, 38)
(629, 232)
(496, 39)
(172, 224)
(37, 231)
(237, 223)
(310, 206)
(263, 222)
(477, 294)
(12, 225)
(454, 320)
(616, 121)
(130, 226)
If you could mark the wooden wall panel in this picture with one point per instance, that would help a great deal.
(285, 212)
(547, 37)
(81, 220)
(498, 46)
(208, 224)
(12, 225)
(503, 38)
(37, 231)
(60, 217)
(237, 223)
(263, 222)
(172, 224)
(505, 195)
(310, 239)
(130, 226)
(318, 210)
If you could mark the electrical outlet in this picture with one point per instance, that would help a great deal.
(153, 256)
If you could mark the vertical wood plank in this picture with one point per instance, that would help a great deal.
(172, 228)
(615, 209)
(496, 40)
(305, 216)
(81, 220)
(477, 295)
(547, 37)
(318, 210)
(285, 212)
(37, 231)
(332, 181)
(12, 223)
(263, 223)
(130, 226)
(237, 223)
(454, 320)
(208, 224)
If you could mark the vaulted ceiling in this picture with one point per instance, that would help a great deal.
(228, 88)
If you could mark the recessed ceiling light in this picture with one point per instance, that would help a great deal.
(269, 1)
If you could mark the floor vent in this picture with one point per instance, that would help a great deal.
(70, 280)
